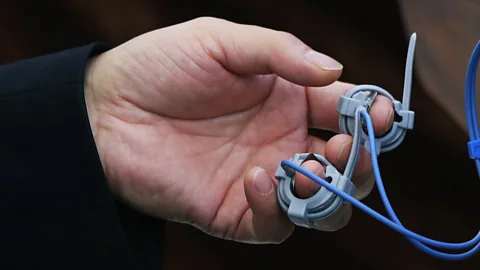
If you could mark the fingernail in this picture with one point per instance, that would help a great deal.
(314, 186)
(389, 120)
(343, 151)
(323, 61)
(262, 182)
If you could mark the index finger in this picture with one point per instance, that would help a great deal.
(253, 50)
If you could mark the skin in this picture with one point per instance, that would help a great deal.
(191, 121)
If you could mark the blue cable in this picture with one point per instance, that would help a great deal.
(417, 240)
(471, 107)
(470, 97)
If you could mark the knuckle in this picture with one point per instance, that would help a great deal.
(287, 35)
(208, 21)
(289, 38)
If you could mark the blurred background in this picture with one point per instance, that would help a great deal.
(431, 182)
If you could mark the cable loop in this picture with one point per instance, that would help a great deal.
(356, 121)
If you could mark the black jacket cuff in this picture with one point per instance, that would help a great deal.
(55, 204)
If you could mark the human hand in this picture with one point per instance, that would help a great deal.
(191, 121)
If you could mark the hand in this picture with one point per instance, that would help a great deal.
(192, 120)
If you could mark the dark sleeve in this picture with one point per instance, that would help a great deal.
(56, 210)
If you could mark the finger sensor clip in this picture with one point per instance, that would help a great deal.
(324, 203)
(363, 95)
(304, 212)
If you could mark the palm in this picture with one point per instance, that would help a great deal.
(197, 166)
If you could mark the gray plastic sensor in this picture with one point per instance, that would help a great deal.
(304, 212)
(364, 95)
(356, 98)
(324, 203)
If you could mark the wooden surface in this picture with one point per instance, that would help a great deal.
(430, 179)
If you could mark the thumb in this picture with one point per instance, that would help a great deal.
(269, 224)
(249, 50)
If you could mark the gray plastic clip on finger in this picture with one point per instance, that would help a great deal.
(324, 203)
(304, 212)
(361, 95)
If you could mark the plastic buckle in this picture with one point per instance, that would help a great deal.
(305, 212)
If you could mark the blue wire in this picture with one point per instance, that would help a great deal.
(417, 240)
(470, 95)
(470, 99)
(397, 226)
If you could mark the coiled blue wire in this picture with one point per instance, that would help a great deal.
(417, 240)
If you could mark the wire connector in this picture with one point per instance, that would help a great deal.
(474, 149)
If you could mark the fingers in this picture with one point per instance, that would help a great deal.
(305, 188)
(266, 221)
(337, 151)
(323, 101)
(269, 223)
(247, 49)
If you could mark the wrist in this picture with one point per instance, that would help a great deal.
(93, 85)
(89, 91)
